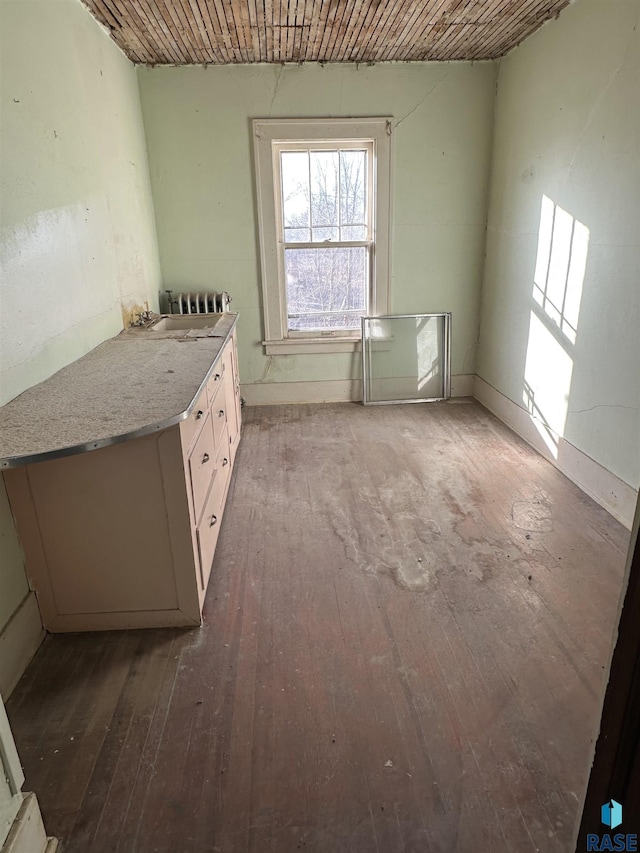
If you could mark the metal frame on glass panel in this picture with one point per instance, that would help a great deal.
(366, 354)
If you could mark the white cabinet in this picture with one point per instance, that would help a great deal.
(124, 536)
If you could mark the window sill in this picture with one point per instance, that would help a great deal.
(312, 345)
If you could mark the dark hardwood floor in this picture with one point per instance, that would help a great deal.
(404, 645)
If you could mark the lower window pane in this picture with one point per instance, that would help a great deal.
(326, 287)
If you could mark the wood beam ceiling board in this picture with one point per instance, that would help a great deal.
(127, 41)
(309, 31)
(375, 33)
(350, 42)
(406, 42)
(187, 32)
(181, 24)
(493, 12)
(163, 35)
(388, 34)
(217, 15)
(505, 19)
(196, 25)
(278, 48)
(214, 30)
(460, 42)
(337, 33)
(355, 25)
(268, 28)
(302, 30)
(134, 27)
(428, 22)
(256, 32)
(105, 16)
(290, 40)
(238, 16)
(329, 23)
(493, 15)
(474, 21)
(315, 36)
(414, 26)
(165, 49)
(289, 31)
(355, 46)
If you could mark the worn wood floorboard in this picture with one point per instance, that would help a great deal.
(403, 649)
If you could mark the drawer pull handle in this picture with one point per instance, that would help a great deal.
(216, 377)
(221, 413)
(214, 519)
(205, 458)
(225, 461)
(199, 414)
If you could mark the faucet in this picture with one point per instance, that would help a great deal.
(143, 317)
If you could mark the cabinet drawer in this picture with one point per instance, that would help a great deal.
(192, 425)
(215, 383)
(201, 466)
(219, 416)
(209, 526)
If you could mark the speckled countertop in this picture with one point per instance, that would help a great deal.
(137, 382)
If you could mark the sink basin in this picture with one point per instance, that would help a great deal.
(184, 322)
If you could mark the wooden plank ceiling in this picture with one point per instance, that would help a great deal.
(187, 32)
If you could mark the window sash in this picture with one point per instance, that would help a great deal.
(340, 332)
(328, 146)
(366, 145)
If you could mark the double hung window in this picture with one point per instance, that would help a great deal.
(323, 197)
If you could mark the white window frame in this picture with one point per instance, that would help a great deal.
(269, 136)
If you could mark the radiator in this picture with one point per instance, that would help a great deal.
(198, 303)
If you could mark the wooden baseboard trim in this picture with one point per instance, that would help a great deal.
(27, 834)
(612, 493)
(326, 391)
(65, 623)
(462, 385)
(283, 393)
(19, 641)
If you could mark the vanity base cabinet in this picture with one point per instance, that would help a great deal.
(124, 536)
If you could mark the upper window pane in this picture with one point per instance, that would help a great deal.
(324, 195)
(323, 235)
(324, 175)
(353, 179)
(353, 232)
(297, 235)
(294, 166)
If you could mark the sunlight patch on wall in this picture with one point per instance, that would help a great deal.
(563, 243)
(561, 260)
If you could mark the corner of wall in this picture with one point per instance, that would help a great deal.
(20, 639)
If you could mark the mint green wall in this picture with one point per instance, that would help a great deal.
(568, 127)
(77, 240)
(198, 127)
(76, 213)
